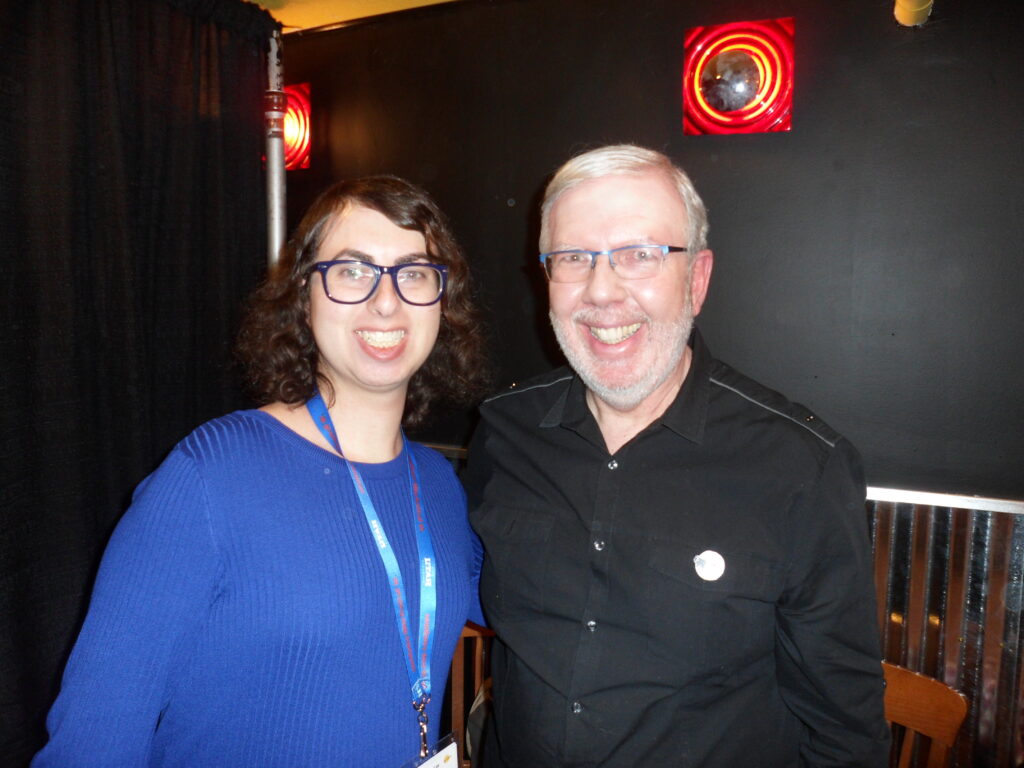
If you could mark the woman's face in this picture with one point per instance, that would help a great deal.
(375, 346)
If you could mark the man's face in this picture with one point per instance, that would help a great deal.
(626, 338)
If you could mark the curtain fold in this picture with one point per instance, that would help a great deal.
(131, 228)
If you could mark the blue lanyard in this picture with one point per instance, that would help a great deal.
(417, 659)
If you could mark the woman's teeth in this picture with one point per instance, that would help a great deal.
(381, 339)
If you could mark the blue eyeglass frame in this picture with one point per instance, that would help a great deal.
(323, 266)
(665, 251)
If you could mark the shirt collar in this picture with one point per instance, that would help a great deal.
(570, 410)
(686, 416)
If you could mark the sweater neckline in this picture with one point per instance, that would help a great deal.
(375, 471)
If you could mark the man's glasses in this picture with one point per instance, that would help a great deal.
(353, 282)
(630, 262)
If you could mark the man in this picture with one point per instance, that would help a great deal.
(678, 565)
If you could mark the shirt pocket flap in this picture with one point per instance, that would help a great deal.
(734, 573)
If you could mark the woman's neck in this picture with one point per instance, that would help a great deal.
(369, 428)
(369, 431)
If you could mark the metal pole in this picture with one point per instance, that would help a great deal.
(275, 103)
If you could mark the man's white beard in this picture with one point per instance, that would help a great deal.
(671, 336)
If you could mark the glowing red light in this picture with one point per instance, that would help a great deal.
(296, 127)
(761, 100)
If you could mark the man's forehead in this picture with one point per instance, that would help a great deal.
(641, 203)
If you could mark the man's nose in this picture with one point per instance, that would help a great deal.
(603, 284)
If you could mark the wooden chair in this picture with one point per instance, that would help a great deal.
(470, 656)
(924, 706)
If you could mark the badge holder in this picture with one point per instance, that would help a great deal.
(445, 754)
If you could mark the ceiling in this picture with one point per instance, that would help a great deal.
(297, 15)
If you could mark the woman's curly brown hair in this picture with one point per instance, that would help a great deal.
(276, 343)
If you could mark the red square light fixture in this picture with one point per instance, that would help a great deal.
(296, 127)
(738, 77)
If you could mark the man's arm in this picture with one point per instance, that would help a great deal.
(827, 649)
(477, 471)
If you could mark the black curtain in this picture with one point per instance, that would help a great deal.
(131, 228)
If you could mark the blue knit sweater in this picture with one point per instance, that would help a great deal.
(241, 615)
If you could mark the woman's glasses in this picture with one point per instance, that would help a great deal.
(353, 282)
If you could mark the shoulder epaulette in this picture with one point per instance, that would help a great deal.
(541, 383)
(780, 406)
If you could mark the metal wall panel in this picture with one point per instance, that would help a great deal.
(949, 574)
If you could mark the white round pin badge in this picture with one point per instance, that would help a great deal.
(709, 565)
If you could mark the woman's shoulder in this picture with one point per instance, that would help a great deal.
(228, 436)
(234, 424)
(214, 451)
(430, 458)
(438, 476)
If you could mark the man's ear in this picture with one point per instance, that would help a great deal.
(700, 278)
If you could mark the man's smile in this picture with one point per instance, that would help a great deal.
(613, 335)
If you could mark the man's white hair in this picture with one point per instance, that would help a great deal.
(626, 159)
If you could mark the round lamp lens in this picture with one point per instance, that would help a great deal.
(730, 81)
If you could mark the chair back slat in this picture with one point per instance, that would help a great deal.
(924, 706)
(470, 655)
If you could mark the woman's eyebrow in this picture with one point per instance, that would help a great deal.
(412, 257)
(352, 253)
(357, 255)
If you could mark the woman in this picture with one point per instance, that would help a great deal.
(261, 603)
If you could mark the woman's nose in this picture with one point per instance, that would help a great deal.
(385, 299)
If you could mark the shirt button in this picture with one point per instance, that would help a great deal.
(599, 545)
(613, 464)
(592, 625)
(576, 707)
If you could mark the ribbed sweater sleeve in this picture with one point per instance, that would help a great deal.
(158, 576)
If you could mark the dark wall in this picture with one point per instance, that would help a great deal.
(866, 261)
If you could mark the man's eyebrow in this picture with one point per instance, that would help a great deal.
(631, 241)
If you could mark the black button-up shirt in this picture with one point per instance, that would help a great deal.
(702, 597)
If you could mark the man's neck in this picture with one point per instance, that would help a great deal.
(618, 426)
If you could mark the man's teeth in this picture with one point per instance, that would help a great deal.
(614, 335)
(381, 339)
